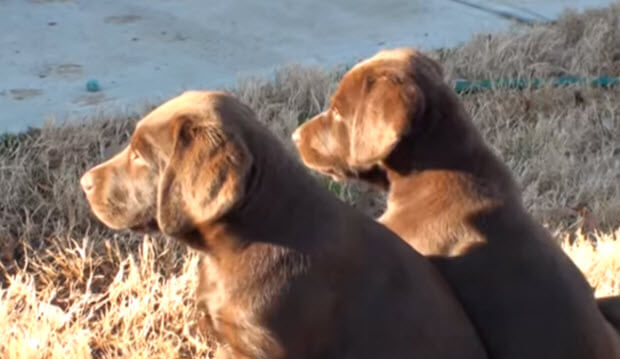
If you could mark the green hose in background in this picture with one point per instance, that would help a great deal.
(467, 87)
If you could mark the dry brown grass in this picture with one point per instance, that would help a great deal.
(72, 289)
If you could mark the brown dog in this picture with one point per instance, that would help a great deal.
(288, 271)
(394, 122)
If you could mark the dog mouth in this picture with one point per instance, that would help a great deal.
(150, 226)
(374, 175)
(337, 177)
(339, 174)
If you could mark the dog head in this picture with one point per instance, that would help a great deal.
(378, 102)
(187, 163)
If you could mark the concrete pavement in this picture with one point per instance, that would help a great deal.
(151, 50)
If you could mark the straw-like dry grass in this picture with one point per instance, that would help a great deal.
(72, 289)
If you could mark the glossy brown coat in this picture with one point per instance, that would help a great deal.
(395, 123)
(288, 271)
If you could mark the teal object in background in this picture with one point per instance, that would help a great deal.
(466, 87)
(93, 86)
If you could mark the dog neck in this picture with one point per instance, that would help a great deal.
(444, 185)
(282, 207)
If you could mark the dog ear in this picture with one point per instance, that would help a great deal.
(323, 144)
(389, 106)
(204, 178)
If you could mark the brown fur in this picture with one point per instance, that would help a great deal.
(610, 307)
(288, 271)
(394, 122)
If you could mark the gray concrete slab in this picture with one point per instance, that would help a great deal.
(150, 50)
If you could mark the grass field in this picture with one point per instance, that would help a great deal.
(72, 289)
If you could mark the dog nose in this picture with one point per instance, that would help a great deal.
(295, 136)
(87, 182)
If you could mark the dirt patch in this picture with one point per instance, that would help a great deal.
(121, 19)
(90, 99)
(66, 71)
(48, 1)
(24, 94)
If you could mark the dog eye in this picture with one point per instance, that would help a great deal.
(134, 155)
(336, 115)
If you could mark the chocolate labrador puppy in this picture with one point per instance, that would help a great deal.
(395, 123)
(288, 271)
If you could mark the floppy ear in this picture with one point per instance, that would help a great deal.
(204, 178)
(323, 144)
(390, 103)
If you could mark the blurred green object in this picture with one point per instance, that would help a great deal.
(93, 85)
(467, 87)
